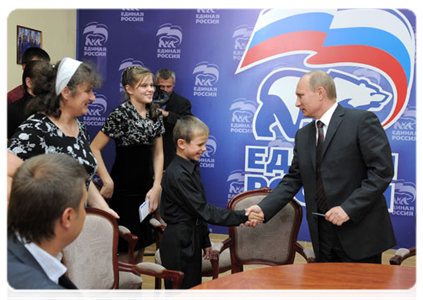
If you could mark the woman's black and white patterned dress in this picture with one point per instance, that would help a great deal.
(39, 135)
(132, 171)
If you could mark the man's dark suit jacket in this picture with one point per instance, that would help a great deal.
(24, 272)
(356, 169)
(177, 106)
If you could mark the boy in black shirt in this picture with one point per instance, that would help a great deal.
(184, 205)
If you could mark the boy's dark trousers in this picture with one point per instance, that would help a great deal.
(181, 250)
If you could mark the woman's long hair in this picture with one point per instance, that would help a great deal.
(46, 100)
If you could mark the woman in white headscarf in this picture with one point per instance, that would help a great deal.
(53, 126)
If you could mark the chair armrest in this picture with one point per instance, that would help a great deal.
(123, 230)
(226, 244)
(154, 270)
(401, 254)
(307, 253)
(155, 223)
(217, 249)
(158, 228)
(132, 240)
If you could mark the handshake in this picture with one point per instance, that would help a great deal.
(255, 216)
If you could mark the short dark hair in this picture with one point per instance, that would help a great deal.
(32, 52)
(39, 72)
(189, 127)
(166, 74)
(42, 188)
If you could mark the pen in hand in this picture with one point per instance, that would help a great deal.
(318, 214)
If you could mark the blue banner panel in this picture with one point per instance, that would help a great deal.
(240, 67)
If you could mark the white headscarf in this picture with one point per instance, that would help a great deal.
(67, 68)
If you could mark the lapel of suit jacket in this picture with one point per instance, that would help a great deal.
(335, 121)
(66, 282)
(171, 102)
(21, 252)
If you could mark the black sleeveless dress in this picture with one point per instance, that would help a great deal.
(132, 171)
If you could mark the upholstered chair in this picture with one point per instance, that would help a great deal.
(92, 259)
(402, 254)
(272, 243)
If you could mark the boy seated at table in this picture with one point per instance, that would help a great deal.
(184, 205)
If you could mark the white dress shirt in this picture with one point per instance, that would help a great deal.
(50, 264)
(325, 119)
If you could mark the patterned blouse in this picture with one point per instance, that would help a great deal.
(39, 135)
(128, 128)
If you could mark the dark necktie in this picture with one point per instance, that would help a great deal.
(320, 190)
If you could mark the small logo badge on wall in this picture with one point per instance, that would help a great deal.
(206, 77)
(131, 15)
(207, 160)
(207, 17)
(96, 112)
(170, 38)
(242, 115)
(241, 36)
(96, 36)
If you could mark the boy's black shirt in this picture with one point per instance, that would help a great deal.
(184, 198)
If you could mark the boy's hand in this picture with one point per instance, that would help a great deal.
(207, 253)
(255, 216)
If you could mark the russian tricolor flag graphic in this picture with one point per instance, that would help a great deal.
(382, 40)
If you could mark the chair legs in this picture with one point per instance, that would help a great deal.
(158, 284)
(236, 268)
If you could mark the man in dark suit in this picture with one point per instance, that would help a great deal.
(176, 107)
(344, 184)
(46, 213)
(30, 54)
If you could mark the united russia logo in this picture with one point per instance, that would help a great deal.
(96, 36)
(170, 38)
(349, 44)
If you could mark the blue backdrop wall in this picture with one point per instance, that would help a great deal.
(240, 69)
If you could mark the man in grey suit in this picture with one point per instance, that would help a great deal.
(46, 213)
(343, 182)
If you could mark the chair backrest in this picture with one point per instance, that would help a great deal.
(92, 258)
(270, 243)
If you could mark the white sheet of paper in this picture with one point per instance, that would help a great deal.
(144, 208)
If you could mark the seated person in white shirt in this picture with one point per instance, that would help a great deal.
(46, 213)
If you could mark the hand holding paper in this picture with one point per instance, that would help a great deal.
(144, 209)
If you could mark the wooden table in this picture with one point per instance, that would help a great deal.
(319, 276)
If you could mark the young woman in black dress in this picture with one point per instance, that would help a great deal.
(137, 127)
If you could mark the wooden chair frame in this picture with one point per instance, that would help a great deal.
(402, 254)
(294, 246)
